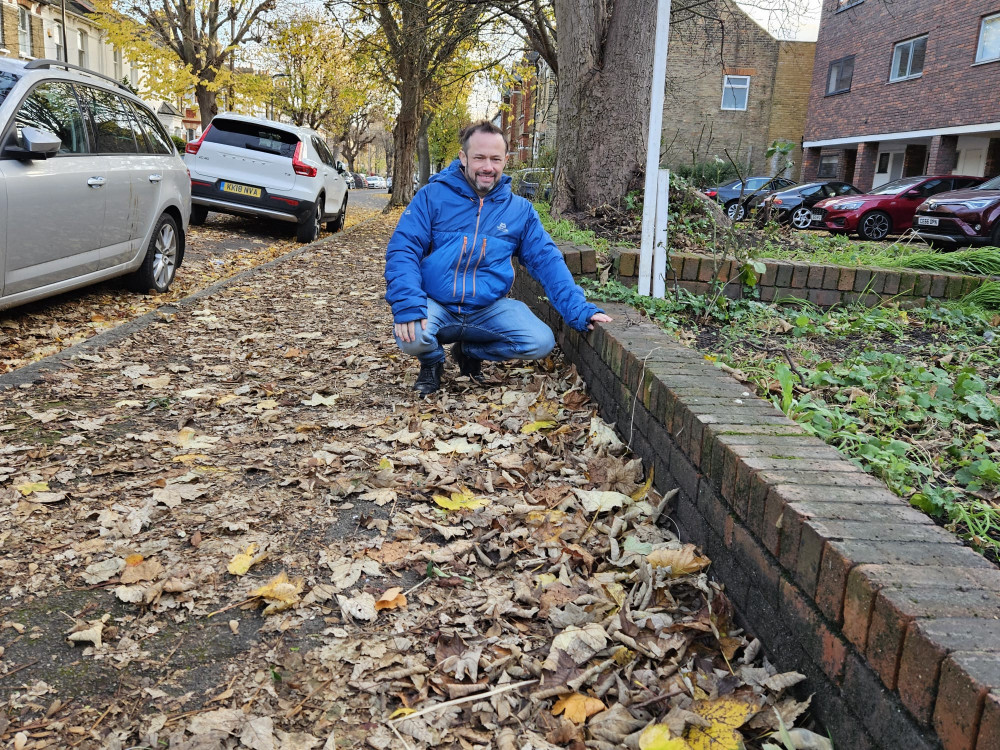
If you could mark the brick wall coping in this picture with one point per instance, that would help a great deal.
(895, 623)
(822, 284)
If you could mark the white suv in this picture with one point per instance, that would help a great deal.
(91, 186)
(255, 167)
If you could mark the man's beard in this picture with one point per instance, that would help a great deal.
(474, 180)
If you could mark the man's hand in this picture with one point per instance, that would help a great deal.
(598, 318)
(407, 332)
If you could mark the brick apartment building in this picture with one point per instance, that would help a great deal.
(904, 88)
(528, 117)
(732, 86)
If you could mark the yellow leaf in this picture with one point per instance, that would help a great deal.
(640, 494)
(657, 737)
(577, 707)
(682, 562)
(226, 399)
(134, 559)
(544, 579)
(391, 599)
(281, 592)
(267, 404)
(383, 465)
(727, 715)
(463, 500)
(28, 487)
(241, 563)
(402, 712)
(541, 424)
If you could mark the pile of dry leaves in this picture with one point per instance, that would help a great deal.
(236, 529)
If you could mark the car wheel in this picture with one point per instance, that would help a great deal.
(310, 227)
(735, 211)
(198, 215)
(802, 218)
(338, 223)
(875, 225)
(162, 256)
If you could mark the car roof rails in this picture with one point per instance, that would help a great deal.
(43, 63)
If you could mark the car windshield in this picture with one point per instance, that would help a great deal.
(897, 186)
(252, 136)
(7, 81)
(993, 184)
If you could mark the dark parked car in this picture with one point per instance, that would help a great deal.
(729, 195)
(526, 183)
(961, 218)
(794, 205)
(359, 180)
(887, 209)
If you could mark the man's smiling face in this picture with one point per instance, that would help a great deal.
(483, 160)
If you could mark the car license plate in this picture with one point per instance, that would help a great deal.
(927, 221)
(816, 216)
(235, 187)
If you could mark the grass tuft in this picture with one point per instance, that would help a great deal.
(983, 261)
(987, 296)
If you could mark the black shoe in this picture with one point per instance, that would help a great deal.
(429, 379)
(468, 366)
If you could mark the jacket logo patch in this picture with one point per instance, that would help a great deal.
(501, 227)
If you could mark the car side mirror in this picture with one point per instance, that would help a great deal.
(38, 144)
(914, 194)
(341, 168)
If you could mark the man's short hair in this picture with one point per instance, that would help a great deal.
(483, 126)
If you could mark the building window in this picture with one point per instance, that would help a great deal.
(60, 50)
(845, 4)
(841, 73)
(24, 30)
(908, 59)
(116, 57)
(735, 91)
(81, 49)
(989, 39)
(883, 163)
(828, 166)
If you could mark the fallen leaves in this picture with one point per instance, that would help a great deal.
(461, 500)
(243, 561)
(280, 592)
(392, 599)
(679, 562)
(577, 708)
(89, 632)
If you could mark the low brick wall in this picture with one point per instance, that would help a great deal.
(823, 285)
(892, 620)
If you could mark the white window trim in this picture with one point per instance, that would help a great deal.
(727, 83)
(899, 45)
(979, 44)
(23, 13)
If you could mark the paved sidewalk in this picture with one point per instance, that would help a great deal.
(260, 447)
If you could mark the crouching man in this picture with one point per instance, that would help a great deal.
(449, 267)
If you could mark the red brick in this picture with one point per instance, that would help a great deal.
(800, 275)
(690, 270)
(814, 278)
(824, 646)
(846, 282)
(989, 725)
(927, 644)
(895, 609)
(707, 270)
(831, 277)
(628, 264)
(966, 680)
(573, 263)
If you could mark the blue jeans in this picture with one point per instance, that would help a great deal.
(505, 330)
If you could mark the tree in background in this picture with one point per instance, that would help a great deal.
(186, 44)
(314, 74)
(449, 116)
(411, 43)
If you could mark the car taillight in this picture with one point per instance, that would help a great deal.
(711, 193)
(300, 167)
(192, 148)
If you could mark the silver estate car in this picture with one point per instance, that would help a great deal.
(91, 186)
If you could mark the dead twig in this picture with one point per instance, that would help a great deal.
(466, 699)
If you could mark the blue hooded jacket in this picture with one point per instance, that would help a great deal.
(457, 248)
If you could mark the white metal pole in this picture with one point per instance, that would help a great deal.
(653, 144)
(660, 236)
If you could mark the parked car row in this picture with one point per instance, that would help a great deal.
(946, 211)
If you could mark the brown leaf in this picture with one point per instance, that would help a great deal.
(577, 707)
(391, 599)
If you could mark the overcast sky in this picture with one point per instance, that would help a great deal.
(807, 26)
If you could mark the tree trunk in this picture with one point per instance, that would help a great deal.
(423, 151)
(207, 105)
(605, 75)
(404, 138)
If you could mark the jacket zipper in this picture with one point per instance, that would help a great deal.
(474, 238)
(454, 286)
(482, 253)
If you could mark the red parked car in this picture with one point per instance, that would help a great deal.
(887, 209)
(955, 220)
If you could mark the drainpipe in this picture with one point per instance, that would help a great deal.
(64, 44)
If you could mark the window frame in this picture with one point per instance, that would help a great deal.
(60, 48)
(979, 43)
(24, 34)
(909, 65)
(87, 134)
(82, 51)
(823, 161)
(727, 84)
(840, 61)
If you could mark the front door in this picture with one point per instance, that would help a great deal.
(45, 246)
(972, 162)
(889, 167)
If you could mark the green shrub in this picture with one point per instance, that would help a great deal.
(179, 142)
(706, 173)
